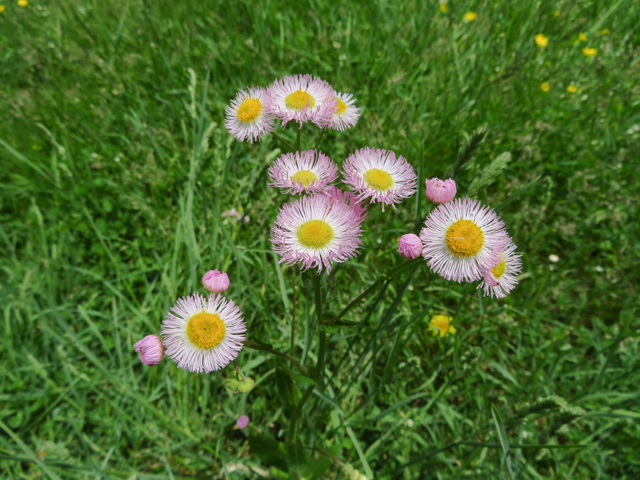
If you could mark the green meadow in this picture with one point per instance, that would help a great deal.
(116, 169)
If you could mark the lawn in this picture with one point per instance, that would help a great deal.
(116, 169)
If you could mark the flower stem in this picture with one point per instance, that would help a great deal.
(319, 138)
(261, 348)
(283, 141)
(298, 139)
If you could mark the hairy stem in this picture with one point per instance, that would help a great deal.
(283, 141)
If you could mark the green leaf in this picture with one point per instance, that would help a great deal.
(504, 441)
(269, 450)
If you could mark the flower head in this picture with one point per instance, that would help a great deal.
(345, 114)
(572, 89)
(216, 281)
(247, 117)
(2, 7)
(302, 98)
(150, 349)
(462, 239)
(308, 171)
(443, 7)
(377, 174)
(441, 324)
(470, 16)
(582, 37)
(503, 277)
(440, 191)
(541, 40)
(410, 246)
(545, 86)
(589, 52)
(203, 334)
(22, 3)
(319, 229)
(242, 422)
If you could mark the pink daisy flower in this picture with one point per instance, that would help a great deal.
(462, 239)
(301, 98)
(410, 246)
(308, 171)
(346, 114)
(203, 334)
(247, 117)
(503, 277)
(377, 174)
(318, 230)
(440, 191)
(150, 349)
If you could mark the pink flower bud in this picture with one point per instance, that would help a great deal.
(440, 191)
(215, 281)
(410, 246)
(151, 349)
(242, 422)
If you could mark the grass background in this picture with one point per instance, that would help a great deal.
(115, 170)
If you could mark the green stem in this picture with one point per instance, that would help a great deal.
(294, 362)
(366, 293)
(293, 336)
(319, 138)
(283, 141)
(298, 138)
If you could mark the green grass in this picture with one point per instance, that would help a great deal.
(116, 167)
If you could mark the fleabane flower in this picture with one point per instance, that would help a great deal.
(440, 191)
(503, 277)
(216, 281)
(150, 349)
(318, 230)
(463, 239)
(308, 171)
(301, 98)
(378, 175)
(345, 114)
(246, 118)
(203, 334)
(441, 325)
(410, 246)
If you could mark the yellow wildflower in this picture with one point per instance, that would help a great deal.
(1, 8)
(441, 324)
(22, 3)
(541, 40)
(470, 16)
(582, 37)
(605, 32)
(572, 89)
(443, 7)
(545, 86)
(589, 52)
(556, 13)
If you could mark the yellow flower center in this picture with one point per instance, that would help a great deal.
(499, 269)
(341, 106)
(206, 330)
(464, 238)
(441, 324)
(249, 110)
(299, 100)
(379, 179)
(315, 234)
(304, 177)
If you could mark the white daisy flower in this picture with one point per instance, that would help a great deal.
(308, 171)
(247, 118)
(301, 98)
(345, 114)
(501, 279)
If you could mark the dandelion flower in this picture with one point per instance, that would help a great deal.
(443, 7)
(22, 3)
(541, 40)
(544, 86)
(319, 229)
(462, 239)
(307, 171)
(582, 37)
(470, 16)
(377, 174)
(216, 281)
(346, 114)
(572, 89)
(247, 117)
(441, 324)
(302, 98)
(2, 7)
(150, 349)
(203, 334)
(410, 246)
(589, 52)
(502, 278)
(440, 191)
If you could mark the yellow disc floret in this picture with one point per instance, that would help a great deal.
(304, 177)
(499, 269)
(378, 179)
(315, 234)
(206, 330)
(464, 238)
(249, 110)
(341, 106)
(441, 324)
(299, 100)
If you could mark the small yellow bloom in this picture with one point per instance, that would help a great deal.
(589, 52)
(441, 324)
(1, 8)
(22, 3)
(541, 40)
(582, 37)
(572, 89)
(443, 7)
(556, 13)
(545, 86)
(605, 32)
(470, 16)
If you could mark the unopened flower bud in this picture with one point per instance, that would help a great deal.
(242, 422)
(151, 349)
(440, 191)
(410, 246)
(232, 384)
(215, 281)
(246, 385)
